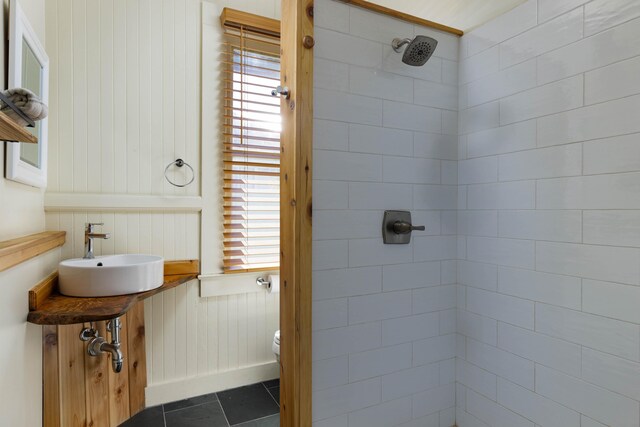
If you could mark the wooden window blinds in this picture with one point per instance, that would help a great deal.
(251, 142)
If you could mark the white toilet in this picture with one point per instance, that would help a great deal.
(275, 347)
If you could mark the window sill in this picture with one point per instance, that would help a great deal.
(216, 285)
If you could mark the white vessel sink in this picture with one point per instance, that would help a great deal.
(110, 275)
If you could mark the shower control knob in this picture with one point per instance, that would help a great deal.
(281, 91)
(397, 227)
(403, 227)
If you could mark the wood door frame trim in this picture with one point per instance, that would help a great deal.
(404, 16)
(296, 42)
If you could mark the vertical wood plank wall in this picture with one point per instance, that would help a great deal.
(80, 390)
(50, 377)
(186, 336)
(125, 101)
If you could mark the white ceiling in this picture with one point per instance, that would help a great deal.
(461, 14)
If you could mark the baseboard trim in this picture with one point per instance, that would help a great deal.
(185, 388)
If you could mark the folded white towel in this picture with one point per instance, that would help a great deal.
(28, 102)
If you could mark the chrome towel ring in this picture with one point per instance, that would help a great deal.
(179, 163)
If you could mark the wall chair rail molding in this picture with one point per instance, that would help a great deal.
(16, 251)
(97, 202)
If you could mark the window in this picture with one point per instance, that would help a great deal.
(251, 147)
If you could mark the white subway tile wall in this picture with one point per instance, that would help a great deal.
(549, 217)
(519, 305)
(385, 138)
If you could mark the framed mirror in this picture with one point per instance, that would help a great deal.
(29, 69)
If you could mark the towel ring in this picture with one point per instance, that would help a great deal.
(179, 163)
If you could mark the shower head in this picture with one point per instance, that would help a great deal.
(418, 51)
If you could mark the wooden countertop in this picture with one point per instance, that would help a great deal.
(48, 307)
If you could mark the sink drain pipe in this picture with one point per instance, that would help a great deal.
(98, 345)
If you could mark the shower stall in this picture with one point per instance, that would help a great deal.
(516, 146)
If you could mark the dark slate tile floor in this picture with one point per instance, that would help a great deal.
(254, 405)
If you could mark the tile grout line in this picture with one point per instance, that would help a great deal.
(224, 414)
(219, 402)
(187, 407)
(270, 395)
(257, 419)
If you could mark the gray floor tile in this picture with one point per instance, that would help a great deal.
(247, 403)
(204, 415)
(193, 401)
(150, 417)
(275, 392)
(272, 383)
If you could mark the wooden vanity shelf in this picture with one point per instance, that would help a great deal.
(48, 307)
(82, 390)
(11, 131)
(16, 251)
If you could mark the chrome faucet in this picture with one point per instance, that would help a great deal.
(89, 235)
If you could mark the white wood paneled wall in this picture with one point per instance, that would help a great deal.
(187, 336)
(124, 94)
(125, 101)
(172, 235)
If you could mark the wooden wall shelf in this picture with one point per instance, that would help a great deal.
(48, 307)
(11, 131)
(16, 251)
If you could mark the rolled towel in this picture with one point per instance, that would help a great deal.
(28, 102)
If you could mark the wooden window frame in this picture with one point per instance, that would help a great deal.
(251, 33)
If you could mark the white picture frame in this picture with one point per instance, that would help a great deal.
(21, 32)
